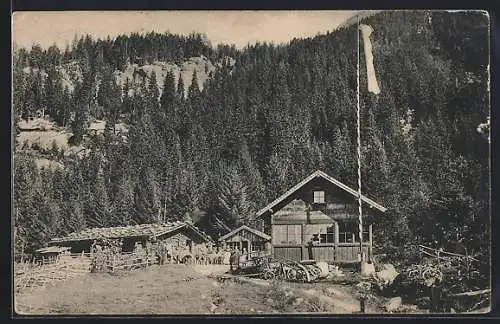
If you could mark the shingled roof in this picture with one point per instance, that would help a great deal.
(142, 230)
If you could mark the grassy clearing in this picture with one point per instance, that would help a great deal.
(180, 289)
(169, 289)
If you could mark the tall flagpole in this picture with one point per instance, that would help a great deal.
(359, 155)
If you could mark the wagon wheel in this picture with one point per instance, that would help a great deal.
(301, 275)
(314, 271)
(291, 274)
(268, 275)
(304, 273)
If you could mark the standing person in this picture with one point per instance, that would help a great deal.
(244, 256)
(231, 259)
(226, 256)
(235, 259)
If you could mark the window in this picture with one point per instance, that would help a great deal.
(349, 233)
(325, 233)
(319, 197)
(189, 244)
(287, 234)
(258, 246)
(329, 236)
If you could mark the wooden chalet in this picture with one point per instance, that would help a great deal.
(179, 235)
(317, 219)
(246, 238)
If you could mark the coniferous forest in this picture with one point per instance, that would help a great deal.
(216, 154)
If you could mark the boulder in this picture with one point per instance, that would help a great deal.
(298, 301)
(334, 271)
(324, 269)
(367, 269)
(393, 304)
(387, 274)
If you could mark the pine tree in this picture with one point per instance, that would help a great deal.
(180, 88)
(100, 209)
(194, 88)
(168, 93)
(234, 206)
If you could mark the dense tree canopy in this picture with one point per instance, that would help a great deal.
(261, 125)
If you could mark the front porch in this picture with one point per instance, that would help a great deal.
(343, 247)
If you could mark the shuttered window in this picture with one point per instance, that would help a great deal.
(287, 234)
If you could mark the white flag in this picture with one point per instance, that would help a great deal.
(370, 70)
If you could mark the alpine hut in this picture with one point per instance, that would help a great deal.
(317, 219)
(176, 234)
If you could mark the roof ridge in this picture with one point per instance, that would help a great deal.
(327, 177)
(244, 226)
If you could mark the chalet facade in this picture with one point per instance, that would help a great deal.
(247, 239)
(177, 235)
(317, 219)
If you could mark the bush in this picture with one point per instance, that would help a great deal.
(315, 304)
(281, 296)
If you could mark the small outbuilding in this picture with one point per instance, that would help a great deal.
(51, 254)
(247, 238)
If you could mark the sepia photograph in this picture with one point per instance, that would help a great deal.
(257, 163)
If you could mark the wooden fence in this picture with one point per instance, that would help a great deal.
(440, 254)
(456, 299)
(111, 262)
(130, 260)
(38, 274)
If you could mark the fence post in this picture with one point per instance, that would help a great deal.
(113, 263)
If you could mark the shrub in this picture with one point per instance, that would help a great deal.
(280, 296)
(315, 304)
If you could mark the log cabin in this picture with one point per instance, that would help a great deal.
(317, 219)
(178, 235)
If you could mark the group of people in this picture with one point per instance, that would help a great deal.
(167, 253)
(233, 257)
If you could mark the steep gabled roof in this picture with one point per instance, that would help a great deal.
(244, 227)
(142, 230)
(325, 176)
